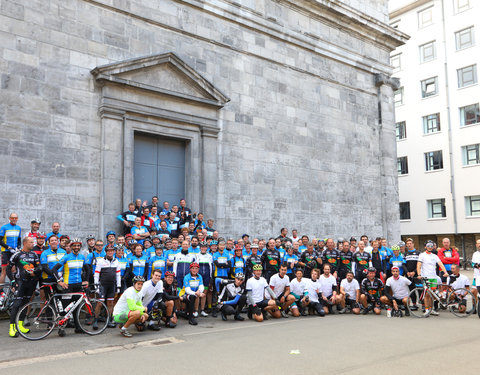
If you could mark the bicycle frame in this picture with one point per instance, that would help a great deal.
(434, 296)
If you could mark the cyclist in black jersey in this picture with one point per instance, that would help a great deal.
(270, 260)
(345, 261)
(309, 260)
(27, 271)
(371, 291)
(253, 259)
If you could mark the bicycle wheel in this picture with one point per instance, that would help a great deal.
(41, 319)
(461, 302)
(97, 312)
(416, 303)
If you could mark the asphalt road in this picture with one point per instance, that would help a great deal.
(338, 344)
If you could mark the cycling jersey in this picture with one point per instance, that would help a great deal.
(362, 261)
(138, 266)
(205, 261)
(237, 265)
(346, 262)
(397, 262)
(107, 272)
(50, 258)
(181, 266)
(251, 261)
(170, 254)
(150, 290)
(130, 300)
(310, 260)
(58, 234)
(122, 263)
(192, 284)
(271, 261)
(372, 289)
(222, 263)
(282, 252)
(429, 264)
(411, 258)
(157, 262)
(92, 258)
(73, 266)
(231, 294)
(137, 230)
(11, 235)
(331, 257)
(27, 266)
(290, 259)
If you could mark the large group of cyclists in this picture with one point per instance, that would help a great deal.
(170, 265)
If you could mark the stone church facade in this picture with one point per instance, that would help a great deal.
(282, 112)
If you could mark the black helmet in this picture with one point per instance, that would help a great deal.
(137, 279)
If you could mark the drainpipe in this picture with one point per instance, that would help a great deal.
(449, 122)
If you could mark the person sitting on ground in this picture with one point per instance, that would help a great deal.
(396, 291)
(258, 304)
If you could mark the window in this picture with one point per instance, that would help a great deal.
(436, 208)
(398, 96)
(395, 24)
(469, 115)
(425, 18)
(473, 205)
(467, 76)
(402, 165)
(461, 5)
(404, 210)
(464, 38)
(471, 154)
(401, 129)
(427, 52)
(429, 87)
(431, 123)
(395, 62)
(433, 160)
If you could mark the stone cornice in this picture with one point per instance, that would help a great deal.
(272, 28)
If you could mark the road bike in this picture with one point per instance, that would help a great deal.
(42, 317)
(7, 294)
(460, 302)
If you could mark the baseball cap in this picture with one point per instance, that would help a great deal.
(395, 268)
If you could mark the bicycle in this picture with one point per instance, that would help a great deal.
(42, 317)
(460, 302)
(7, 294)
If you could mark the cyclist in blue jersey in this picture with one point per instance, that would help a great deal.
(139, 232)
(193, 289)
(170, 254)
(137, 263)
(397, 260)
(11, 235)
(128, 218)
(75, 275)
(237, 262)
(205, 262)
(91, 258)
(181, 264)
(291, 260)
(50, 258)
(194, 247)
(123, 264)
(221, 259)
(157, 262)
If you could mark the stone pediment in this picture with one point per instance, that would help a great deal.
(164, 74)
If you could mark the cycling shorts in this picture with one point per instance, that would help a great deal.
(107, 291)
(121, 318)
(262, 304)
(6, 255)
(433, 282)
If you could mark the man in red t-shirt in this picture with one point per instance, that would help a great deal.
(448, 255)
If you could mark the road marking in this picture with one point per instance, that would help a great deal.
(84, 353)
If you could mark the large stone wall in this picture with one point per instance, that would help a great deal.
(301, 141)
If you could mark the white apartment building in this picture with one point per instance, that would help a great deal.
(438, 120)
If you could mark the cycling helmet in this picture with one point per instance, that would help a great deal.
(109, 233)
(41, 235)
(203, 244)
(90, 237)
(213, 243)
(169, 273)
(257, 267)
(401, 243)
(194, 264)
(76, 240)
(36, 220)
(395, 248)
(239, 276)
(372, 269)
(137, 279)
